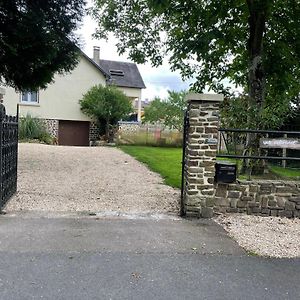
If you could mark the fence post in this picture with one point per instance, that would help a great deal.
(284, 151)
(200, 154)
(2, 116)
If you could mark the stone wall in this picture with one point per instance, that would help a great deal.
(129, 126)
(267, 198)
(94, 132)
(52, 127)
(202, 197)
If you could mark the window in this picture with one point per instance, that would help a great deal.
(29, 97)
(116, 72)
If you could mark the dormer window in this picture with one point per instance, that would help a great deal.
(116, 72)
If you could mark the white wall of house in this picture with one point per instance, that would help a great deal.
(61, 98)
(133, 94)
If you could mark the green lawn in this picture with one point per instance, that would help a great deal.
(286, 173)
(165, 161)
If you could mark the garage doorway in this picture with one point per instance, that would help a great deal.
(73, 133)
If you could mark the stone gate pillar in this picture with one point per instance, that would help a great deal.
(200, 154)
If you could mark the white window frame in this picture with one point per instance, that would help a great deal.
(29, 97)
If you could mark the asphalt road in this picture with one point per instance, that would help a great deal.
(90, 257)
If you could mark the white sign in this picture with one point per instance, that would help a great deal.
(280, 143)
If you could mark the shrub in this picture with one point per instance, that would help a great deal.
(33, 129)
(107, 105)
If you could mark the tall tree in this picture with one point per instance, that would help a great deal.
(37, 40)
(253, 43)
(169, 111)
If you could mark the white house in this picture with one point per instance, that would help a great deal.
(58, 105)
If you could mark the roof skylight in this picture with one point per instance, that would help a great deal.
(116, 72)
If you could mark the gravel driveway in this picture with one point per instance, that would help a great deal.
(94, 179)
(267, 236)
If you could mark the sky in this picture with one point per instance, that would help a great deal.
(157, 80)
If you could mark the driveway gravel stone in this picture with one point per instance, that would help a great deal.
(266, 236)
(92, 179)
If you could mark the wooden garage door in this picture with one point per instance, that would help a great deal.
(73, 133)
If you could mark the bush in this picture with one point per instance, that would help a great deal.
(33, 129)
(107, 105)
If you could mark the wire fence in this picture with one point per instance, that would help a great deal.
(131, 133)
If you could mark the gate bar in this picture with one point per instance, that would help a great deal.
(257, 157)
(257, 131)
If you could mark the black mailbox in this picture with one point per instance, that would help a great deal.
(225, 172)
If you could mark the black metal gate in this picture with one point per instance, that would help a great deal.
(8, 155)
(186, 127)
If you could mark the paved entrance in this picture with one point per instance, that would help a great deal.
(92, 179)
(50, 251)
(101, 258)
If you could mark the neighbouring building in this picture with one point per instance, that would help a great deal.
(58, 105)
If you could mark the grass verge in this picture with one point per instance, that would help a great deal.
(165, 161)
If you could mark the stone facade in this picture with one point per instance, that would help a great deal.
(266, 198)
(94, 132)
(52, 127)
(200, 154)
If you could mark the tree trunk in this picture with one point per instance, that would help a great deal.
(258, 10)
(107, 130)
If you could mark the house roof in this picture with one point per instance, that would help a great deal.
(123, 73)
(130, 78)
(95, 64)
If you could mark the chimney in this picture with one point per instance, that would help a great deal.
(96, 55)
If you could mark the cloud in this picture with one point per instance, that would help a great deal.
(170, 80)
(153, 91)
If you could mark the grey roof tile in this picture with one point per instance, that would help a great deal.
(132, 77)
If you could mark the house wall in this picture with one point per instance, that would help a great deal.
(134, 93)
(60, 99)
(131, 92)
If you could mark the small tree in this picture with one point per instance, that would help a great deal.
(169, 111)
(236, 111)
(107, 105)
